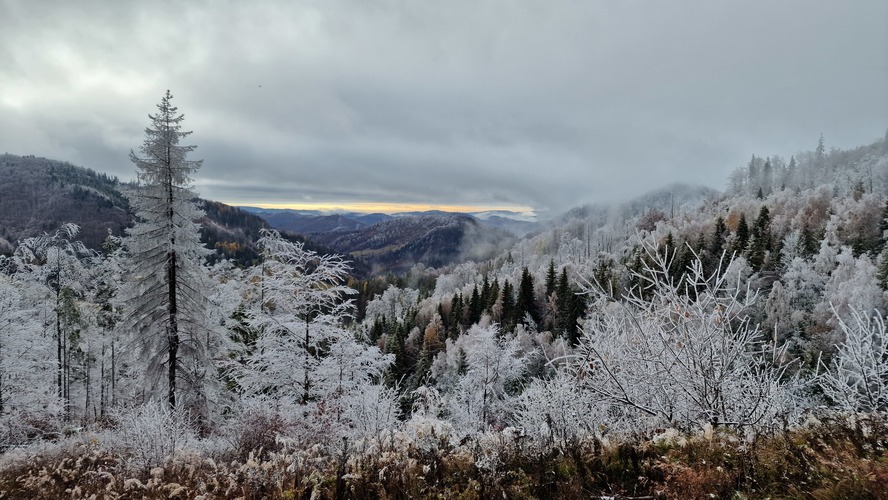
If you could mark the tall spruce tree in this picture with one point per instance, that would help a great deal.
(563, 302)
(165, 300)
(507, 315)
(741, 239)
(476, 309)
(493, 296)
(485, 294)
(760, 244)
(551, 278)
(717, 245)
(526, 303)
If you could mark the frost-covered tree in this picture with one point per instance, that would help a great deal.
(58, 263)
(857, 378)
(392, 304)
(28, 397)
(687, 354)
(297, 304)
(477, 369)
(558, 411)
(852, 286)
(107, 281)
(165, 298)
(304, 357)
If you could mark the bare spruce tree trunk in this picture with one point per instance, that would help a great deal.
(172, 267)
(173, 348)
(102, 384)
(113, 374)
(87, 367)
(58, 333)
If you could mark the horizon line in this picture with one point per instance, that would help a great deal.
(386, 208)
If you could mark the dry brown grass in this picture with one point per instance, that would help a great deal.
(834, 460)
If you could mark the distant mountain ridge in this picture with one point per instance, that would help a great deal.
(38, 195)
(397, 242)
(315, 221)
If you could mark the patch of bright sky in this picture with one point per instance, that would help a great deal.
(389, 208)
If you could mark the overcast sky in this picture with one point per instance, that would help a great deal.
(538, 104)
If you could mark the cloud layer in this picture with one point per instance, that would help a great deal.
(540, 103)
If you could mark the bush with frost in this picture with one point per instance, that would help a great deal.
(682, 351)
(147, 435)
(857, 378)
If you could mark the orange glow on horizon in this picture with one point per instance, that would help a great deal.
(386, 208)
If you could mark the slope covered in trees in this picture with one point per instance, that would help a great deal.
(39, 195)
(397, 244)
(609, 354)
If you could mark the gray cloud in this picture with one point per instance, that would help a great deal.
(541, 103)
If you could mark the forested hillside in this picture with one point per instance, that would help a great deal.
(39, 195)
(395, 243)
(689, 343)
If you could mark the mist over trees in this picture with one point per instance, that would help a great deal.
(689, 309)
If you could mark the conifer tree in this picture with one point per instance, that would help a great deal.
(395, 345)
(493, 296)
(577, 310)
(456, 316)
(810, 242)
(475, 307)
(165, 299)
(820, 152)
(717, 245)
(767, 177)
(791, 173)
(485, 294)
(551, 278)
(462, 364)
(681, 260)
(668, 246)
(763, 227)
(760, 243)
(445, 320)
(526, 300)
(563, 303)
(507, 316)
(741, 239)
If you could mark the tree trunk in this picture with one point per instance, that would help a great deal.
(58, 334)
(88, 369)
(305, 382)
(113, 374)
(172, 332)
(172, 267)
(102, 386)
(1, 381)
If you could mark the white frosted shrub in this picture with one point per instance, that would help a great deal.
(148, 434)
